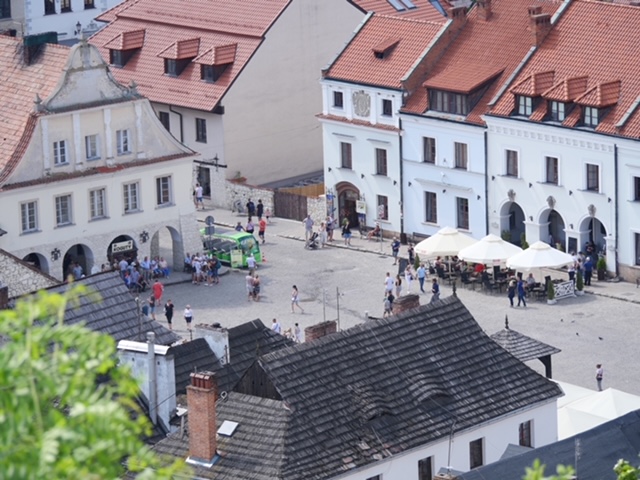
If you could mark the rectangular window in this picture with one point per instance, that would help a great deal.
(524, 434)
(201, 130)
(381, 161)
(590, 117)
(91, 147)
(122, 142)
(387, 108)
(383, 207)
(131, 203)
(338, 101)
(165, 120)
(525, 105)
(5, 8)
(60, 152)
(163, 191)
(345, 155)
(170, 67)
(552, 170)
(63, 210)
(88, 4)
(428, 150)
(448, 102)
(593, 177)
(49, 7)
(29, 215)
(462, 209)
(425, 469)
(512, 163)
(97, 203)
(461, 155)
(431, 207)
(65, 6)
(476, 453)
(636, 189)
(211, 73)
(557, 111)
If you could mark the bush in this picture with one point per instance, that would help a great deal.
(506, 235)
(416, 262)
(602, 263)
(551, 293)
(579, 281)
(523, 241)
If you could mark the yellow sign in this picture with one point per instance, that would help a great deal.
(236, 258)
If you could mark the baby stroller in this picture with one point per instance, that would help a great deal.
(312, 243)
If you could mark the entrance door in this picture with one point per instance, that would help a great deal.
(204, 179)
(347, 204)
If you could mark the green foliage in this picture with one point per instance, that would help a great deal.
(66, 407)
(416, 263)
(579, 281)
(506, 235)
(626, 471)
(551, 293)
(601, 263)
(523, 241)
(536, 472)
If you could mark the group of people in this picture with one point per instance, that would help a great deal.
(205, 270)
(583, 264)
(395, 284)
(294, 334)
(250, 227)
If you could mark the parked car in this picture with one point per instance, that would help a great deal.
(223, 244)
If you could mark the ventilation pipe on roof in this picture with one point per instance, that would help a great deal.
(153, 390)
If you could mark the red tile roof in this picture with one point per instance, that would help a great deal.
(229, 32)
(126, 40)
(20, 85)
(597, 40)
(567, 90)
(424, 9)
(484, 50)
(534, 84)
(358, 62)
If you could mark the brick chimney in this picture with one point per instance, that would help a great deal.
(201, 406)
(457, 14)
(539, 24)
(320, 330)
(217, 338)
(406, 302)
(484, 9)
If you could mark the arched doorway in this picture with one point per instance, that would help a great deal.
(348, 195)
(123, 246)
(555, 233)
(37, 261)
(595, 241)
(512, 227)
(167, 243)
(80, 255)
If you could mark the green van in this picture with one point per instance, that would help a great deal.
(233, 248)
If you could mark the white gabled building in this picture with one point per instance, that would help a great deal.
(86, 169)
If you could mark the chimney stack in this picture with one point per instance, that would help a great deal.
(406, 302)
(320, 330)
(217, 338)
(484, 9)
(457, 14)
(539, 24)
(201, 405)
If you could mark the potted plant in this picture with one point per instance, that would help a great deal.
(416, 263)
(523, 241)
(601, 267)
(579, 283)
(551, 294)
(506, 235)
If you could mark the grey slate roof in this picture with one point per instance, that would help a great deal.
(522, 347)
(255, 451)
(189, 357)
(116, 312)
(600, 448)
(393, 384)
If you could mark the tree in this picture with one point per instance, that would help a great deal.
(67, 409)
(623, 469)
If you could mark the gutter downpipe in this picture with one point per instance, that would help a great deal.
(402, 234)
(486, 185)
(615, 206)
(181, 126)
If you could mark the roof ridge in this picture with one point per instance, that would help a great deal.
(409, 20)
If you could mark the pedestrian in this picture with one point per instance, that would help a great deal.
(146, 269)
(77, 271)
(188, 316)
(599, 375)
(521, 292)
(275, 326)
(152, 307)
(158, 290)
(588, 271)
(248, 281)
(346, 231)
(395, 249)
(215, 268)
(260, 209)
(294, 300)
(251, 208)
(435, 290)
(408, 277)
(330, 226)
(388, 284)
(168, 312)
(323, 234)
(256, 288)
(199, 199)
(571, 269)
(250, 227)
(297, 334)
(262, 227)
(412, 254)
(267, 213)
(251, 264)
(422, 275)
(387, 306)
(308, 227)
(398, 286)
(239, 227)
(511, 290)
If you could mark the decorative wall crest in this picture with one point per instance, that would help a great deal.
(551, 201)
(592, 210)
(361, 103)
(511, 194)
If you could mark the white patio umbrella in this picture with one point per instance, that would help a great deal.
(490, 249)
(447, 242)
(539, 255)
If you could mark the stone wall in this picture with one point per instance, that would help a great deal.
(317, 208)
(243, 192)
(21, 277)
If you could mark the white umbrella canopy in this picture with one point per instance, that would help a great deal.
(539, 255)
(489, 249)
(447, 242)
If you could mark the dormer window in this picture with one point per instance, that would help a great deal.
(384, 48)
(179, 55)
(211, 73)
(173, 67)
(448, 102)
(215, 61)
(525, 105)
(590, 117)
(558, 111)
(124, 46)
(119, 58)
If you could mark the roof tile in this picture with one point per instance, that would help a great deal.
(181, 49)
(130, 40)
(567, 89)
(424, 9)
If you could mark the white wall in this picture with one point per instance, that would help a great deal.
(497, 435)
(271, 132)
(628, 208)
(442, 178)
(63, 22)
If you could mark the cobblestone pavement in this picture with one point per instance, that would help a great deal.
(599, 327)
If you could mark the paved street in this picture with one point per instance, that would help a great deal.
(599, 327)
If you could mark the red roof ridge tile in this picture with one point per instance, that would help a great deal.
(412, 20)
